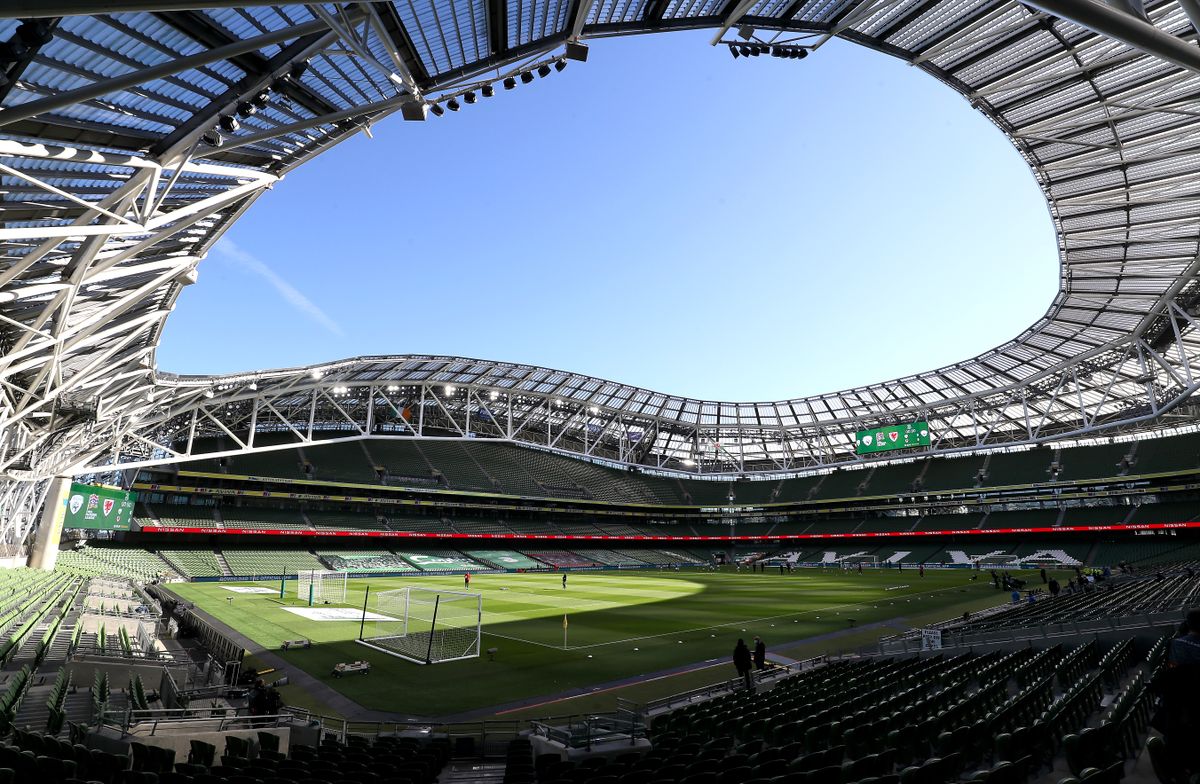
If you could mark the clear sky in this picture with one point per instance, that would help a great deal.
(662, 215)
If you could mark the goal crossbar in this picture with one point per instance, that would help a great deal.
(424, 625)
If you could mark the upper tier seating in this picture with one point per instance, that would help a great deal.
(184, 516)
(260, 517)
(345, 521)
(342, 462)
(1018, 468)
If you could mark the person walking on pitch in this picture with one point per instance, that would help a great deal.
(564, 581)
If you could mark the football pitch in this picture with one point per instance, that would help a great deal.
(620, 624)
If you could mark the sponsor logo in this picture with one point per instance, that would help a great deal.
(108, 506)
(75, 504)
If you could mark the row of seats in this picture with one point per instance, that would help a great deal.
(492, 467)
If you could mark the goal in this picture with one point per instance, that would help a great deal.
(321, 586)
(867, 561)
(423, 625)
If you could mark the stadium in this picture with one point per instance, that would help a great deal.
(409, 569)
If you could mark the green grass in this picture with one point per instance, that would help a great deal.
(621, 625)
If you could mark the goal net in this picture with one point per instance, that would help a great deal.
(423, 625)
(866, 561)
(321, 586)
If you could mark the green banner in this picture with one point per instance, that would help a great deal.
(100, 508)
(885, 439)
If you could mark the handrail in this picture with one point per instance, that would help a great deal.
(729, 686)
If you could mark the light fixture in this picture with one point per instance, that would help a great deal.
(437, 110)
(526, 77)
(452, 105)
(488, 91)
(316, 374)
(687, 461)
(253, 387)
(560, 65)
(509, 83)
(246, 109)
(211, 138)
(543, 70)
(594, 409)
(450, 390)
(733, 50)
(469, 96)
(229, 123)
(208, 393)
(576, 51)
(493, 395)
(393, 388)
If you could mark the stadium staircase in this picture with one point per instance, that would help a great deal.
(225, 570)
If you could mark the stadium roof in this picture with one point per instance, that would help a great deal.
(131, 138)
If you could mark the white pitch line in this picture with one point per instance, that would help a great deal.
(697, 629)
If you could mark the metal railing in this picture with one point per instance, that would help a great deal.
(702, 693)
(1051, 631)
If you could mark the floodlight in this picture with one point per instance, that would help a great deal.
(488, 91)
(687, 461)
(509, 83)
(493, 395)
(560, 65)
(413, 111)
(543, 70)
(253, 386)
(526, 77)
(245, 108)
(211, 138)
(437, 110)
(229, 123)
(469, 96)
(208, 393)
(733, 51)
(316, 374)
(452, 105)
(450, 390)
(576, 51)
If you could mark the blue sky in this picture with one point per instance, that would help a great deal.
(662, 215)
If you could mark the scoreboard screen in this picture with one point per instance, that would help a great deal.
(99, 508)
(885, 439)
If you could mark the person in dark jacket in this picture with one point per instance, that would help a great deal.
(760, 653)
(1178, 684)
(741, 660)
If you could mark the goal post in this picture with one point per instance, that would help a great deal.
(424, 625)
(321, 586)
(867, 561)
